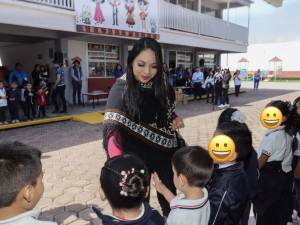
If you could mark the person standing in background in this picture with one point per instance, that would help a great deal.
(237, 82)
(257, 77)
(77, 75)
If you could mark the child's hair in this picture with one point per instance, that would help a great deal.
(195, 164)
(14, 82)
(226, 115)
(241, 136)
(20, 165)
(285, 108)
(125, 181)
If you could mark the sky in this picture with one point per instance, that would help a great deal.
(270, 24)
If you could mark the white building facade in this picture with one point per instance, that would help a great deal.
(191, 32)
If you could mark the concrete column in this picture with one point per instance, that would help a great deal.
(124, 55)
(199, 6)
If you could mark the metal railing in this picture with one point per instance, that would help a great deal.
(179, 18)
(64, 4)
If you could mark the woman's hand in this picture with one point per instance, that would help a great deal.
(178, 123)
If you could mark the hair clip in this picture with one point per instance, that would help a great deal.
(238, 116)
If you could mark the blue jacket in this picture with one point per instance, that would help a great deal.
(228, 193)
(150, 217)
(19, 76)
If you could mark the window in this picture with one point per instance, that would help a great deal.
(190, 4)
(208, 60)
(102, 59)
(185, 59)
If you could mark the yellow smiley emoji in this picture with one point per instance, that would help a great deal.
(271, 117)
(221, 148)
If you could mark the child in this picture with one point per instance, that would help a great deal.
(41, 101)
(21, 184)
(124, 183)
(296, 160)
(228, 191)
(192, 167)
(13, 100)
(273, 203)
(3, 103)
(250, 162)
(29, 102)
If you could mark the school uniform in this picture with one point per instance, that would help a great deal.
(27, 218)
(228, 194)
(148, 216)
(41, 103)
(3, 105)
(218, 81)
(273, 202)
(189, 212)
(13, 100)
(30, 104)
(296, 182)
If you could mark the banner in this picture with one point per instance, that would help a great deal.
(131, 18)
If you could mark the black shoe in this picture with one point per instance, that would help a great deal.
(55, 111)
(63, 111)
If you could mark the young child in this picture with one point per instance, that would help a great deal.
(228, 191)
(296, 160)
(124, 183)
(21, 184)
(29, 102)
(192, 167)
(41, 101)
(250, 162)
(13, 102)
(273, 203)
(3, 103)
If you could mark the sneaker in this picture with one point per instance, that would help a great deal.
(1, 123)
(17, 121)
(63, 111)
(5, 122)
(13, 121)
(227, 105)
(220, 106)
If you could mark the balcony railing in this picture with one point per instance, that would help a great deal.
(182, 19)
(64, 4)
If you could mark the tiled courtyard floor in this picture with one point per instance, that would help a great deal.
(73, 154)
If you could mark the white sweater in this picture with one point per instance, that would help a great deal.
(3, 101)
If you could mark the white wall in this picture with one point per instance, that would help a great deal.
(26, 54)
(259, 55)
(22, 13)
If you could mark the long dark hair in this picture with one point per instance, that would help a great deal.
(135, 181)
(132, 96)
(285, 108)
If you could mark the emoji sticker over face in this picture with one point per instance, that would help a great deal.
(271, 117)
(221, 148)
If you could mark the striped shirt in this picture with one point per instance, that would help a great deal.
(189, 212)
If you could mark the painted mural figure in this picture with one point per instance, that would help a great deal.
(86, 14)
(143, 5)
(115, 4)
(98, 16)
(129, 6)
